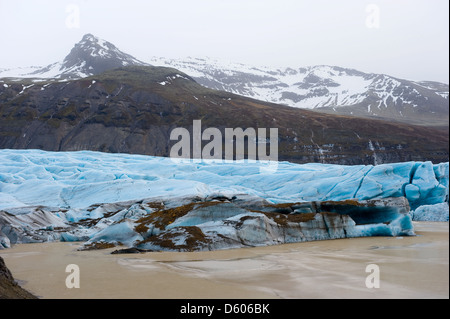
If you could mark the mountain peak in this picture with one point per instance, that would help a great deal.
(90, 56)
(93, 55)
(89, 37)
(90, 41)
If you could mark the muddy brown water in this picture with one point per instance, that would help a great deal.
(409, 267)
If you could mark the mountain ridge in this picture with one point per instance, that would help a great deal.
(322, 88)
(134, 107)
(133, 110)
(325, 88)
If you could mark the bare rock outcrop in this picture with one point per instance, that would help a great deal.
(9, 288)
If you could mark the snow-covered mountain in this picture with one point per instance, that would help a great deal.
(90, 56)
(329, 89)
(135, 108)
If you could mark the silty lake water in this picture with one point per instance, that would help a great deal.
(409, 267)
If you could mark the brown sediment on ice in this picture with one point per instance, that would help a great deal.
(213, 223)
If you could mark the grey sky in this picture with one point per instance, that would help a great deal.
(411, 40)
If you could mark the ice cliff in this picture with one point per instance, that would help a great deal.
(157, 203)
(214, 222)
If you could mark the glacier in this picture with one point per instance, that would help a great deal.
(101, 198)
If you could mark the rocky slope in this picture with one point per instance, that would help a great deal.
(9, 289)
(133, 110)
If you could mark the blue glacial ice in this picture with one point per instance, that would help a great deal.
(101, 198)
(437, 212)
(76, 180)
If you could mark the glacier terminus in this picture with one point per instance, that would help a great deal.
(151, 203)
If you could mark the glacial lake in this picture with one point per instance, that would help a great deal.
(407, 267)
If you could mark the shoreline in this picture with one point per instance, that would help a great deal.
(410, 267)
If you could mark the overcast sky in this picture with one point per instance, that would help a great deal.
(403, 38)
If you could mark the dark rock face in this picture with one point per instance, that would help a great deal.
(9, 289)
(129, 110)
(4, 271)
(128, 251)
